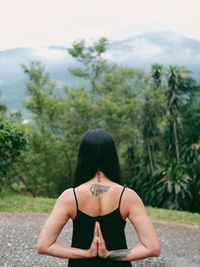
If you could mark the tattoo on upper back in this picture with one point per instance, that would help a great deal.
(96, 189)
(119, 254)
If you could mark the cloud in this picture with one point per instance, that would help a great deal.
(167, 48)
(36, 23)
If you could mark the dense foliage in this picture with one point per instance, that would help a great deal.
(153, 117)
(13, 140)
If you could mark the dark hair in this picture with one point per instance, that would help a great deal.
(97, 151)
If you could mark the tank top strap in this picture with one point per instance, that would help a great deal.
(121, 196)
(75, 198)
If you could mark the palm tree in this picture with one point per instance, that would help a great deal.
(149, 131)
(174, 102)
(157, 74)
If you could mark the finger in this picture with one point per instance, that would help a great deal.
(95, 241)
(100, 244)
(101, 239)
(101, 248)
(96, 229)
(100, 233)
(100, 229)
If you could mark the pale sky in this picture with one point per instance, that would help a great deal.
(40, 23)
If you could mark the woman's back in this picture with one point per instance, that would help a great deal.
(98, 202)
(97, 199)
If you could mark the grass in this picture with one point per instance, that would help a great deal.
(26, 204)
(174, 216)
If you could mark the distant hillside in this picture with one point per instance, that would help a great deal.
(141, 51)
(12, 78)
(167, 48)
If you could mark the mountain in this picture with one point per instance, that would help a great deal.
(12, 78)
(167, 48)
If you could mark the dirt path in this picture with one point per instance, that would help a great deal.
(18, 233)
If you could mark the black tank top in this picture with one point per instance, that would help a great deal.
(112, 226)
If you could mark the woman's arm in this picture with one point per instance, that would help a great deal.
(47, 241)
(148, 245)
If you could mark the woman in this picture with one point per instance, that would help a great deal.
(99, 207)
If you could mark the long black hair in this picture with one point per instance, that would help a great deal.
(97, 152)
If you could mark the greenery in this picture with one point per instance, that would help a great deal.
(27, 204)
(153, 117)
(13, 140)
(172, 216)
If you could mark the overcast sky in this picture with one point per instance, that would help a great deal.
(36, 23)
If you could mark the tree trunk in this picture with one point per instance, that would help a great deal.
(150, 156)
(176, 139)
(23, 180)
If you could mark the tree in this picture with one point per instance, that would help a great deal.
(190, 141)
(149, 131)
(58, 121)
(3, 109)
(152, 111)
(174, 103)
(13, 140)
(90, 59)
(157, 74)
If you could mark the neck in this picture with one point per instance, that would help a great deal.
(99, 178)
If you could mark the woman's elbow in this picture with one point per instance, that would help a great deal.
(155, 251)
(40, 248)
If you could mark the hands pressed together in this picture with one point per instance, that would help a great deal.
(98, 245)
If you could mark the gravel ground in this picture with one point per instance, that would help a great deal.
(18, 233)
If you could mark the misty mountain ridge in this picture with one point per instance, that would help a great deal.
(166, 48)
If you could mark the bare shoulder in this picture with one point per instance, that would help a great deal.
(133, 203)
(66, 197)
(66, 203)
(132, 196)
